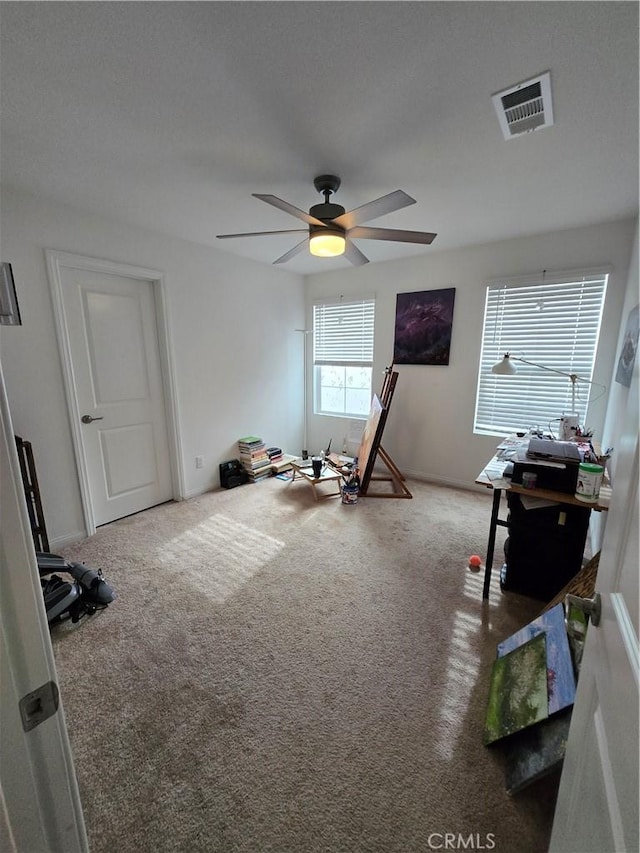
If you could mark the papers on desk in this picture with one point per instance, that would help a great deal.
(302, 463)
(512, 441)
(495, 468)
(529, 502)
(508, 447)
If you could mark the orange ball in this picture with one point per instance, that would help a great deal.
(475, 563)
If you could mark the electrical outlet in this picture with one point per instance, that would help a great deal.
(199, 461)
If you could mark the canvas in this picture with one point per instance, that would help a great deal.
(627, 358)
(518, 690)
(369, 436)
(424, 321)
(560, 676)
(536, 751)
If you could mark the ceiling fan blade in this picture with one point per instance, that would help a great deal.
(292, 252)
(262, 233)
(288, 208)
(353, 254)
(366, 233)
(378, 207)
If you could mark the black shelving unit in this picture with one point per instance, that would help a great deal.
(544, 549)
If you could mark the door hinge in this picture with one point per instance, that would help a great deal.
(39, 705)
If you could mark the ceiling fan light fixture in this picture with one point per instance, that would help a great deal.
(330, 225)
(327, 243)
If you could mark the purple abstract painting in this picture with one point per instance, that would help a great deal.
(423, 327)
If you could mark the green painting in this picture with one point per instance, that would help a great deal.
(518, 691)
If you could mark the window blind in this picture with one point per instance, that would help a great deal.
(343, 332)
(554, 322)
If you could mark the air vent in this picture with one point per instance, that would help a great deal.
(525, 107)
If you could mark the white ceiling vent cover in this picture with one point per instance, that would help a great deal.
(525, 107)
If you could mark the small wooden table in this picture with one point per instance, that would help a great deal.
(304, 471)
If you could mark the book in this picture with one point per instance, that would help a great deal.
(283, 464)
(257, 476)
(285, 475)
(251, 457)
(258, 464)
(250, 439)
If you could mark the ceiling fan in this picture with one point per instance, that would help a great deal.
(331, 229)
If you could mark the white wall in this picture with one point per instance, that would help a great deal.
(429, 433)
(619, 394)
(238, 358)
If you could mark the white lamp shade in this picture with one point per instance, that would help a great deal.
(327, 243)
(505, 367)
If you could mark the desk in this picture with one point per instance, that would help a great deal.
(304, 472)
(491, 477)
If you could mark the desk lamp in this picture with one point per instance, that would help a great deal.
(506, 367)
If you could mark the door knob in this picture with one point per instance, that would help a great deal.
(87, 419)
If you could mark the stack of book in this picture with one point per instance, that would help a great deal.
(275, 454)
(283, 463)
(254, 457)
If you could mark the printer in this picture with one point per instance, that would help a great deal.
(554, 462)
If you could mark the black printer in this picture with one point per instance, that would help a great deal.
(543, 459)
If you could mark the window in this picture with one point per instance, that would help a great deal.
(343, 357)
(553, 321)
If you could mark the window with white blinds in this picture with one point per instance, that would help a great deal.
(554, 322)
(343, 356)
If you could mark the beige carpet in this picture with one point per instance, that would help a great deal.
(284, 675)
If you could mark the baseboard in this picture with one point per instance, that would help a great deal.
(381, 470)
(442, 481)
(196, 492)
(68, 539)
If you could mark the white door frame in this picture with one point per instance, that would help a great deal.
(57, 262)
(40, 807)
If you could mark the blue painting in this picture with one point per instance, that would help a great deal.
(561, 681)
(424, 321)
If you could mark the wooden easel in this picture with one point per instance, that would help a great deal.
(32, 494)
(395, 477)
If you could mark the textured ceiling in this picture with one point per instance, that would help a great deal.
(169, 115)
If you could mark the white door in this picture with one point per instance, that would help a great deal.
(40, 806)
(111, 330)
(597, 808)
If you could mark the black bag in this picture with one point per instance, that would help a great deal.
(232, 474)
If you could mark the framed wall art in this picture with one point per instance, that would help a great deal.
(629, 349)
(424, 321)
(9, 310)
